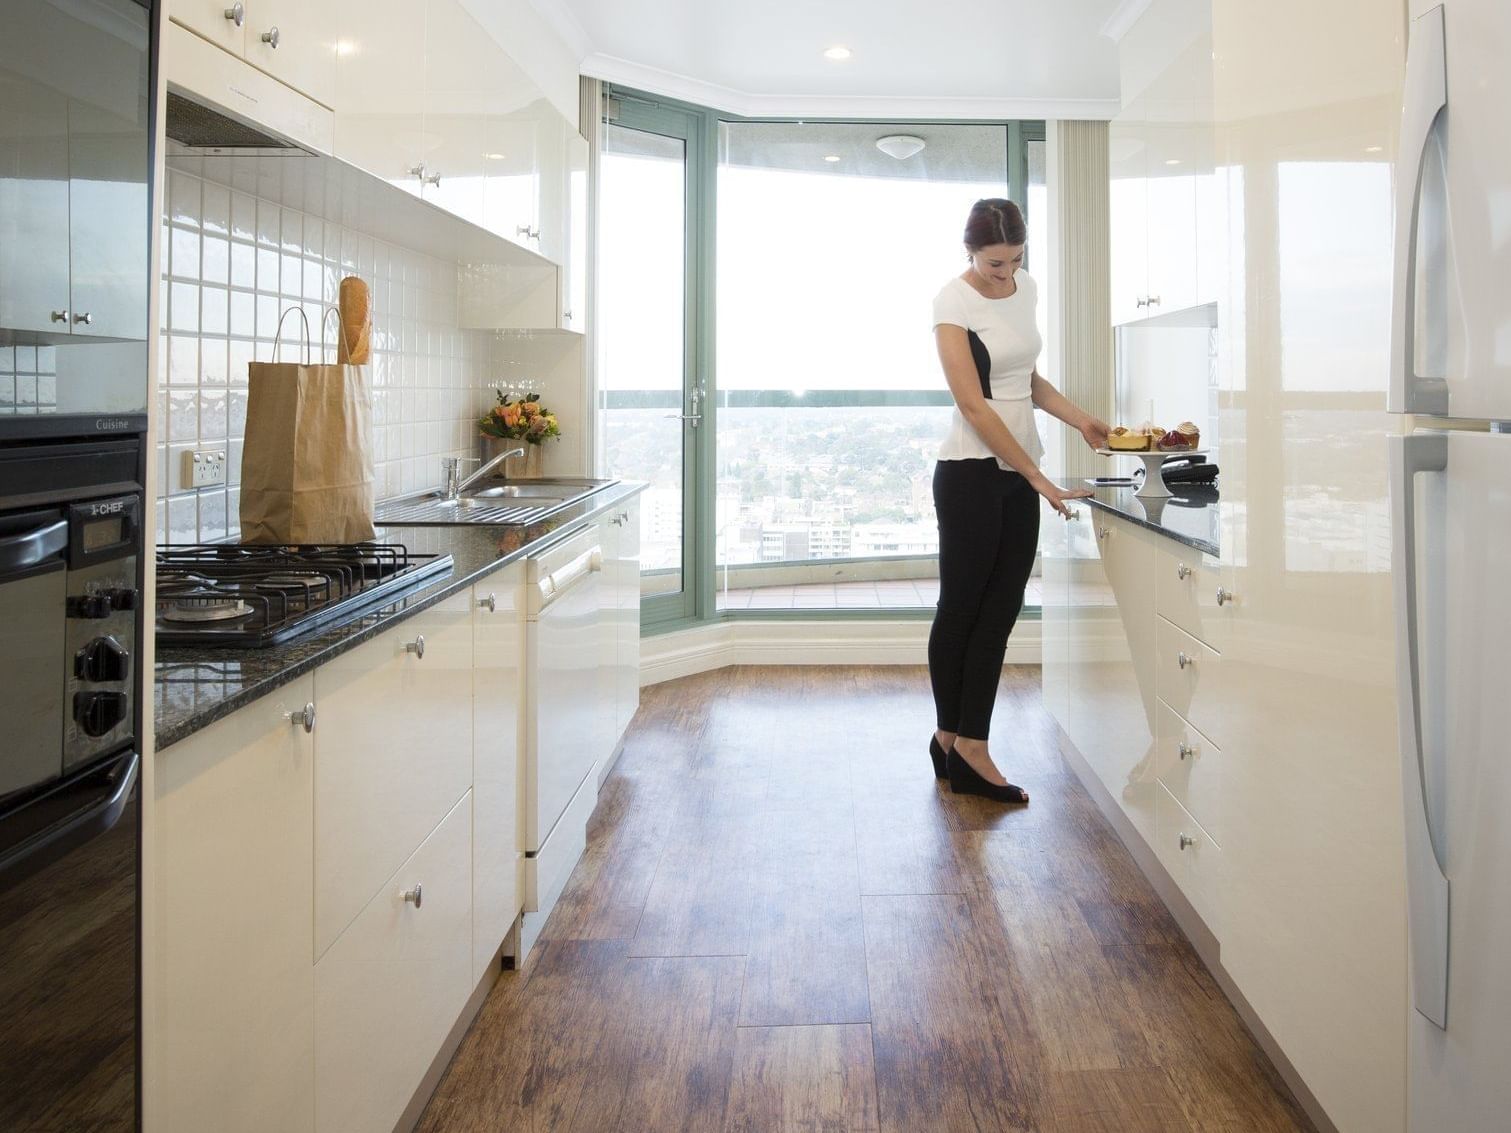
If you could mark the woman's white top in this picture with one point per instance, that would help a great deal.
(1008, 330)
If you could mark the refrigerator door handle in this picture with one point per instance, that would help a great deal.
(1426, 884)
(1425, 98)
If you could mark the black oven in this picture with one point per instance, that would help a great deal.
(77, 90)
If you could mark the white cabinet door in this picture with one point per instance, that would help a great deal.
(464, 69)
(390, 989)
(574, 258)
(1055, 614)
(108, 178)
(222, 22)
(1191, 858)
(553, 185)
(511, 177)
(1128, 215)
(233, 988)
(380, 89)
(498, 680)
(393, 756)
(1171, 196)
(295, 41)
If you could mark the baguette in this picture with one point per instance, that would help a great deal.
(355, 344)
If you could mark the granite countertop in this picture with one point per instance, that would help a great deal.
(193, 688)
(1192, 516)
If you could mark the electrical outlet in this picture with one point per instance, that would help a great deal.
(204, 469)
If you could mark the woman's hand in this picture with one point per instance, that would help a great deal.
(1095, 432)
(1057, 495)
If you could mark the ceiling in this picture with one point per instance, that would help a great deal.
(911, 58)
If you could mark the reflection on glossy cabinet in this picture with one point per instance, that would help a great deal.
(395, 754)
(1195, 592)
(107, 179)
(380, 89)
(1112, 708)
(1128, 204)
(498, 643)
(233, 1030)
(390, 989)
(624, 582)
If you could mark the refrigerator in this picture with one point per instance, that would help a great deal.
(1451, 499)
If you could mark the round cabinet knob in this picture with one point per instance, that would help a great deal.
(83, 317)
(414, 896)
(1184, 660)
(567, 315)
(237, 13)
(1154, 300)
(304, 718)
(417, 646)
(60, 316)
(270, 37)
(1185, 751)
(1182, 571)
(1224, 596)
(489, 603)
(1186, 840)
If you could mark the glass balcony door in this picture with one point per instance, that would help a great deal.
(652, 387)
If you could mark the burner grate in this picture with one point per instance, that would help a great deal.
(249, 595)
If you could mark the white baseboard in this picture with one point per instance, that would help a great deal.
(668, 656)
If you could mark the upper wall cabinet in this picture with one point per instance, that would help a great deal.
(295, 41)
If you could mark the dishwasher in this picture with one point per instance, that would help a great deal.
(561, 725)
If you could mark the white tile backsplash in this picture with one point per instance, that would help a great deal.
(234, 265)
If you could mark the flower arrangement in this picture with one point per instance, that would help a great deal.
(520, 419)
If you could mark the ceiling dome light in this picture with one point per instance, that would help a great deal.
(831, 157)
(837, 53)
(900, 146)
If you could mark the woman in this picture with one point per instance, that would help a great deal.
(987, 486)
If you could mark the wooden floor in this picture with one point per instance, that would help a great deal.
(782, 923)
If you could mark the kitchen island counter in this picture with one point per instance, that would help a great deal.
(194, 687)
(1192, 516)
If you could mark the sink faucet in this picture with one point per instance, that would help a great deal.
(451, 467)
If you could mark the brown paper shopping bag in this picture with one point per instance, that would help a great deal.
(306, 465)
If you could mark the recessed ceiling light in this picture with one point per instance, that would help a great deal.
(831, 157)
(1373, 149)
(494, 156)
(1172, 161)
(837, 53)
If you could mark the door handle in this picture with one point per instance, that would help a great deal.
(1425, 99)
(1427, 893)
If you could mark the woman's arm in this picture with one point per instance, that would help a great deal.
(1056, 404)
(965, 387)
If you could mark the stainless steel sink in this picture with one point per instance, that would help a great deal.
(517, 503)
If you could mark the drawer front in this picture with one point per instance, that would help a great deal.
(1190, 678)
(1186, 594)
(389, 990)
(546, 872)
(1190, 767)
(393, 754)
(1190, 857)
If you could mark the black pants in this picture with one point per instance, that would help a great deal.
(988, 535)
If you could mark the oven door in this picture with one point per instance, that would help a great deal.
(33, 597)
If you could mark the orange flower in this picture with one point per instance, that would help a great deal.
(511, 415)
(529, 408)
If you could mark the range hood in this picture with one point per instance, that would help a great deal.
(204, 129)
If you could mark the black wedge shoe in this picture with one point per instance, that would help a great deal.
(936, 753)
(965, 781)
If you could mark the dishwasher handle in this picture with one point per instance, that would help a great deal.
(558, 582)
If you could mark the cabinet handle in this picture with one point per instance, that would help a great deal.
(237, 13)
(304, 718)
(1183, 660)
(1186, 840)
(1182, 571)
(1103, 532)
(1075, 513)
(60, 316)
(1224, 596)
(566, 316)
(1154, 300)
(430, 179)
(1185, 750)
(418, 171)
(527, 232)
(270, 37)
(414, 896)
(86, 318)
(490, 602)
(1141, 301)
(417, 646)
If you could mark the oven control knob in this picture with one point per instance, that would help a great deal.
(102, 659)
(98, 712)
(89, 606)
(123, 599)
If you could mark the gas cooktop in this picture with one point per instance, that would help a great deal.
(252, 596)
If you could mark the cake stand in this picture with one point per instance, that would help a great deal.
(1154, 487)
